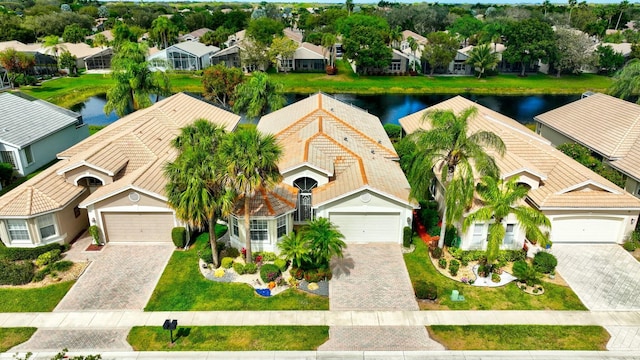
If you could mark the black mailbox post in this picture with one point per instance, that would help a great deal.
(170, 325)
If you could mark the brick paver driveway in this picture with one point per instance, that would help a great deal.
(604, 276)
(121, 278)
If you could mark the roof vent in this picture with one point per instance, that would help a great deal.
(379, 141)
(346, 138)
(373, 151)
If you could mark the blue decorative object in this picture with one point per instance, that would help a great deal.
(264, 292)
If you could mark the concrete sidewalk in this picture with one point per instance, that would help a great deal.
(127, 319)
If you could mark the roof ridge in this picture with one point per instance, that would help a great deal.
(356, 156)
(266, 201)
(635, 123)
(349, 126)
(277, 196)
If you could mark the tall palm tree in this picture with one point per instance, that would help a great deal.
(482, 58)
(626, 83)
(456, 156)
(328, 44)
(622, 7)
(413, 45)
(325, 241)
(252, 164)
(500, 199)
(100, 40)
(196, 189)
(163, 32)
(258, 95)
(572, 4)
(52, 45)
(395, 36)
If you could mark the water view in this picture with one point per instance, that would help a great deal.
(389, 108)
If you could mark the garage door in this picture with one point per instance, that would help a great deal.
(582, 229)
(138, 227)
(368, 228)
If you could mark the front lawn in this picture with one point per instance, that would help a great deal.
(507, 297)
(520, 337)
(183, 288)
(10, 337)
(229, 338)
(40, 299)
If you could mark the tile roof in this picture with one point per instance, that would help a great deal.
(25, 122)
(417, 37)
(196, 33)
(135, 147)
(310, 51)
(566, 183)
(281, 200)
(195, 48)
(341, 140)
(603, 123)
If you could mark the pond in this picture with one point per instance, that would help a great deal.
(389, 108)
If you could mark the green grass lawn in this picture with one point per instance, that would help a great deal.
(10, 337)
(520, 337)
(229, 338)
(33, 300)
(182, 288)
(507, 297)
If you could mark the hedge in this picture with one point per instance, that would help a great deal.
(15, 254)
(16, 273)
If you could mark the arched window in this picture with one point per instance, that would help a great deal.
(305, 185)
(90, 182)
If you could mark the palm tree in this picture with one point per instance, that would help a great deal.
(500, 199)
(100, 40)
(572, 4)
(52, 45)
(482, 58)
(163, 32)
(457, 157)
(196, 188)
(349, 4)
(252, 159)
(258, 95)
(622, 7)
(395, 35)
(325, 241)
(328, 43)
(413, 45)
(626, 83)
(295, 248)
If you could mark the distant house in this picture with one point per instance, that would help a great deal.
(459, 64)
(399, 62)
(45, 64)
(406, 48)
(229, 56)
(33, 131)
(608, 126)
(113, 179)
(188, 55)
(4, 79)
(90, 58)
(307, 58)
(194, 35)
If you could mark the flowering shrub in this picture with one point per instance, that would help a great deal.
(464, 280)
(259, 258)
(219, 273)
(269, 272)
(244, 252)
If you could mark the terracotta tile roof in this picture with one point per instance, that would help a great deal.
(136, 147)
(341, 140)
(281, 200)
(567, 185)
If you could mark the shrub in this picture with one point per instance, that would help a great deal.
(264, 256)
(407, 234)
(230, 252)
(63, 265)
(227, 262)
(436, 253)
(269, 272)
(425, 290)
(281, 264)
(544, 262)
(313, 275)
(451, 237)
(454, 266)
(94, 231)
(16, 273)
(48, 257)
(206, 255)
(251, 268)
(393, 130)
(456, 252)
(434, 230)
(629, 245)
(15, 254)
(179, 236)
(525, 273)
(428, 214)
(239, 268)
(495, 278)
(442, 263)
(297, 273)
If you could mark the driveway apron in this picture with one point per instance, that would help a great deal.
(374, 277)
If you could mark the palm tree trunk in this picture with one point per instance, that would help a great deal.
(213, 240)
(443, 229)
(247, 232)
(618, 23)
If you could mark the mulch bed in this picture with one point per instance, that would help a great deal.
(94, 247)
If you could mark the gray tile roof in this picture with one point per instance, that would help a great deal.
(23, 122)
(196, 48)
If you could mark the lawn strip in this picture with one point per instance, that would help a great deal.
(520, 337)
(41, 299)
(229, 338)
(183, 288)
(507, 297)
(10, 337)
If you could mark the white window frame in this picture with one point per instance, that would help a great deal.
(478, 236)
(8, 156)
(259, 230)
(14, 226)
(235, 230)
(28, 154)
(281, 226)
(509, 236)
(46, 222)
(395, 65)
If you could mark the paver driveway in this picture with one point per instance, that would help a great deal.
(121, 278)
(604, 276)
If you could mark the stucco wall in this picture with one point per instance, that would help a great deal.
(272, 245)
(555, 137)
(72, 176)
(45, 150)
(290, 176)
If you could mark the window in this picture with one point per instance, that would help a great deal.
(395, 65)
(304, 211)
(259, 230)
(509, 235)
(46, 226)
(9, 158)
(28, 154)
(234, 226)
(287, 63)
(91, 181)
(459, 67)
(282, 226)
(478, 236)
(18, 230)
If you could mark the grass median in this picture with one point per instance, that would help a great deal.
(10, 337)
(41, 299)
(229, 338)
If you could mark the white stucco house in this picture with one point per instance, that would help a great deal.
(187, 55)
(337, 163)
(32, 131)
(113, 179)
(583, 207)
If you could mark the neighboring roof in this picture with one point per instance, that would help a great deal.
(417, 37)
(196, 48)
(106, 33)
(293, 35)
(309, 51)
(622, 48)
(568, 184)
(340, 139)
(281, 200)
(18, 46)
(25, 122)
(496, 48)
(196, 33)
(228, 51)
(81, 50)
(603, 123)
(136, 147)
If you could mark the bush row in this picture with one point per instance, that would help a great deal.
(15, 254)
(16, 273)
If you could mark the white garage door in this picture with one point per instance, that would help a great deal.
(582, 229)
(138, 227)
(368, 228)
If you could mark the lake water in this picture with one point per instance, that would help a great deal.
(389, 108)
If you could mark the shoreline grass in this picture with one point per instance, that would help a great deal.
(520, 337)
(229, 338)
(42, 299)
(10, 337)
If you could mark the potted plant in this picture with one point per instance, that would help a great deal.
(94, 231)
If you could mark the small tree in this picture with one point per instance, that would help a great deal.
(325, 241)
(6, 173)
(68, 61)
(284, 48)
(220, 83)
(295, 248)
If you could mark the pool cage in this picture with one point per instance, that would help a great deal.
(99, 61)
(181, 60)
